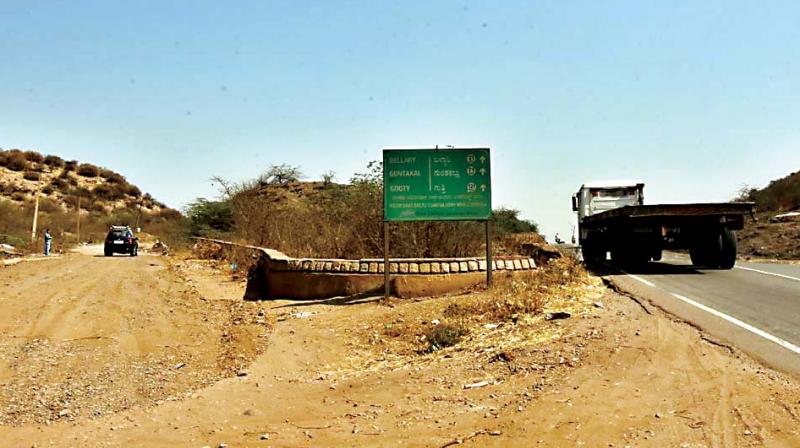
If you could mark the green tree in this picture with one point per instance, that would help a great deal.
(209, 217)
(507, 220)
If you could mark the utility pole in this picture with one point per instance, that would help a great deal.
(35, 217)
(79, 220)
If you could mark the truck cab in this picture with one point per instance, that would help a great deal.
(597, 197)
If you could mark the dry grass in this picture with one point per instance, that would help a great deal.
(518, 300)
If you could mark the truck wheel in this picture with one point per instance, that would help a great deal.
(698, 256)
(727, 258)
(107, 252)
(715, 250)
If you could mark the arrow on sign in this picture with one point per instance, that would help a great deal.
(483, 159)
(483, 171)
(483, 187)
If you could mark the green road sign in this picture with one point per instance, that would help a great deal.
(436, 184)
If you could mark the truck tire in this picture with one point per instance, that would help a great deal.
(698, 255)
(715, 250)
(727, 258)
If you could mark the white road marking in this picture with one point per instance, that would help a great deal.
(785, 344)
(768, 273)
(757, 331)
(639, 279)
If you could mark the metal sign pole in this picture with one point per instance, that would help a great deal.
(488, 254)
(386, 260)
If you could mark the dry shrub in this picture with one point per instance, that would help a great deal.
(34, 157)
(446, 334)
(54, 161)
(341, 221)
(109, 192)
(47, 205)
(132, 190)
(88, 170)
(523, 293)
(59, 184)
(31, 175)
(48, 189)
(71, 165)
(16, 161)
(112, 177)
(19, 196)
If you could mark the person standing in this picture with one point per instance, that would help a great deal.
(48, 240)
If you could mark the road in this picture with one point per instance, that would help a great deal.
(755, 306)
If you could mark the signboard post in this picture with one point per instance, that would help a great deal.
(452, 184)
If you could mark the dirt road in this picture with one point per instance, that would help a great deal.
(83, 336)
(331, 375)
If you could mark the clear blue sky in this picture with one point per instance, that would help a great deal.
(694, 97)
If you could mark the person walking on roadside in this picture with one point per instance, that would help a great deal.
(48, 241)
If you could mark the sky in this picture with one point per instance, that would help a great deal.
(695, 98)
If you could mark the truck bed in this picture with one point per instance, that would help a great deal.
(730, 210)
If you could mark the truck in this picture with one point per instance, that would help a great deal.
(613, 219)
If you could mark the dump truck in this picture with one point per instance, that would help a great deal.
(613, 219)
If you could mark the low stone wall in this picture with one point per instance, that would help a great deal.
(276, 275)
(402, 266)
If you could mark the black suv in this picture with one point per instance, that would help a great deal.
(120, 240)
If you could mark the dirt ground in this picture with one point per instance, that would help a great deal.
(770, 240)
(84, 333)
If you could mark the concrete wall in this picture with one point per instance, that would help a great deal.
(276, 275)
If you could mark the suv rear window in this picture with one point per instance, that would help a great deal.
(118, 234)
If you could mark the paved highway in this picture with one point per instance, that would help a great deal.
(754, 307)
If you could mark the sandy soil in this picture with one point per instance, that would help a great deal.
(770, 240)
(332, 375)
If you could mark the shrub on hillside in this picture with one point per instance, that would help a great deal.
(18, 196)
(97, 206)
(88, 170)
(16, 161)
(54, 161)
(79, 191)
(71, 165)
(31, 175)
(112, 177)
(59, 184)
(48, 205)
(132, 190)
(34, 157)
(48, 189)
(109, 192)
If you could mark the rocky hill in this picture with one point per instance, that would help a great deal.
(105, 197)
(771, 237)
(780, 195)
